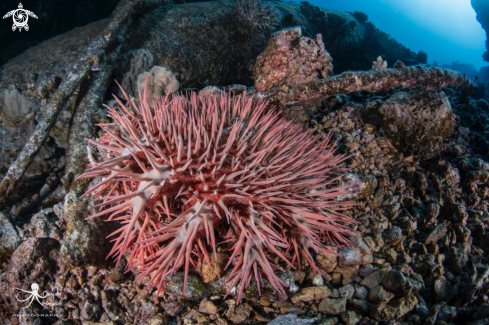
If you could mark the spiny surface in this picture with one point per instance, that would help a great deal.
(198, 169)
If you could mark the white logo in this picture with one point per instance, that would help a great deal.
(20, 17)
(35, 295)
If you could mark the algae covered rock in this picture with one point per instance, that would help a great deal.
(417, 121)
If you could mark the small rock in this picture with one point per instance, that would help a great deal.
(291, 319)
(360, 292)
(379, 294)
(361, 304)
(372, 280)
(147, 308)
(41, 225)
(441, 288)
(311, 293)
(111, 308)
(394, 236)
(329, 321)
(346, 291)
(390, 255)
(332, 306)
(350, 317)
(289, 308)
(158, 320)
(336, 278)
(327, 261)
(431, 213)
(347, 272)
(334, 294)
(300, 275)
(439, 231)
(195, 290)
(448, 313)
(194, 316)
(463, 233)
(317, 280)
(215, 270)
(288, 278)
(207, 307)
(118, 274)
(360, 255)
(397, 283)
(394, 309)
(91, 311)
(238, 314)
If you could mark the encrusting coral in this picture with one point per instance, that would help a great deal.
(206, 167)
(141, 60)
(159, 81)
(291, 59)
(16, 106)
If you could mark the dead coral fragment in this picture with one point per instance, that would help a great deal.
(290, 59)
(198, 170)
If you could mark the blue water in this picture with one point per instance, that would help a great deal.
(445, 29)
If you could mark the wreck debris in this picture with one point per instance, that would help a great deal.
(312, 92)
(119, 21)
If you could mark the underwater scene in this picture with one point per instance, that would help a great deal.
(228, 162)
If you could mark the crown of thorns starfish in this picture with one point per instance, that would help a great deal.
(195, 169)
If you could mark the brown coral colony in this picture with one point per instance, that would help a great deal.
(199, 171)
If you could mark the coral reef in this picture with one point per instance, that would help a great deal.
(235, 170)
(158, 82)
(290, 59)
